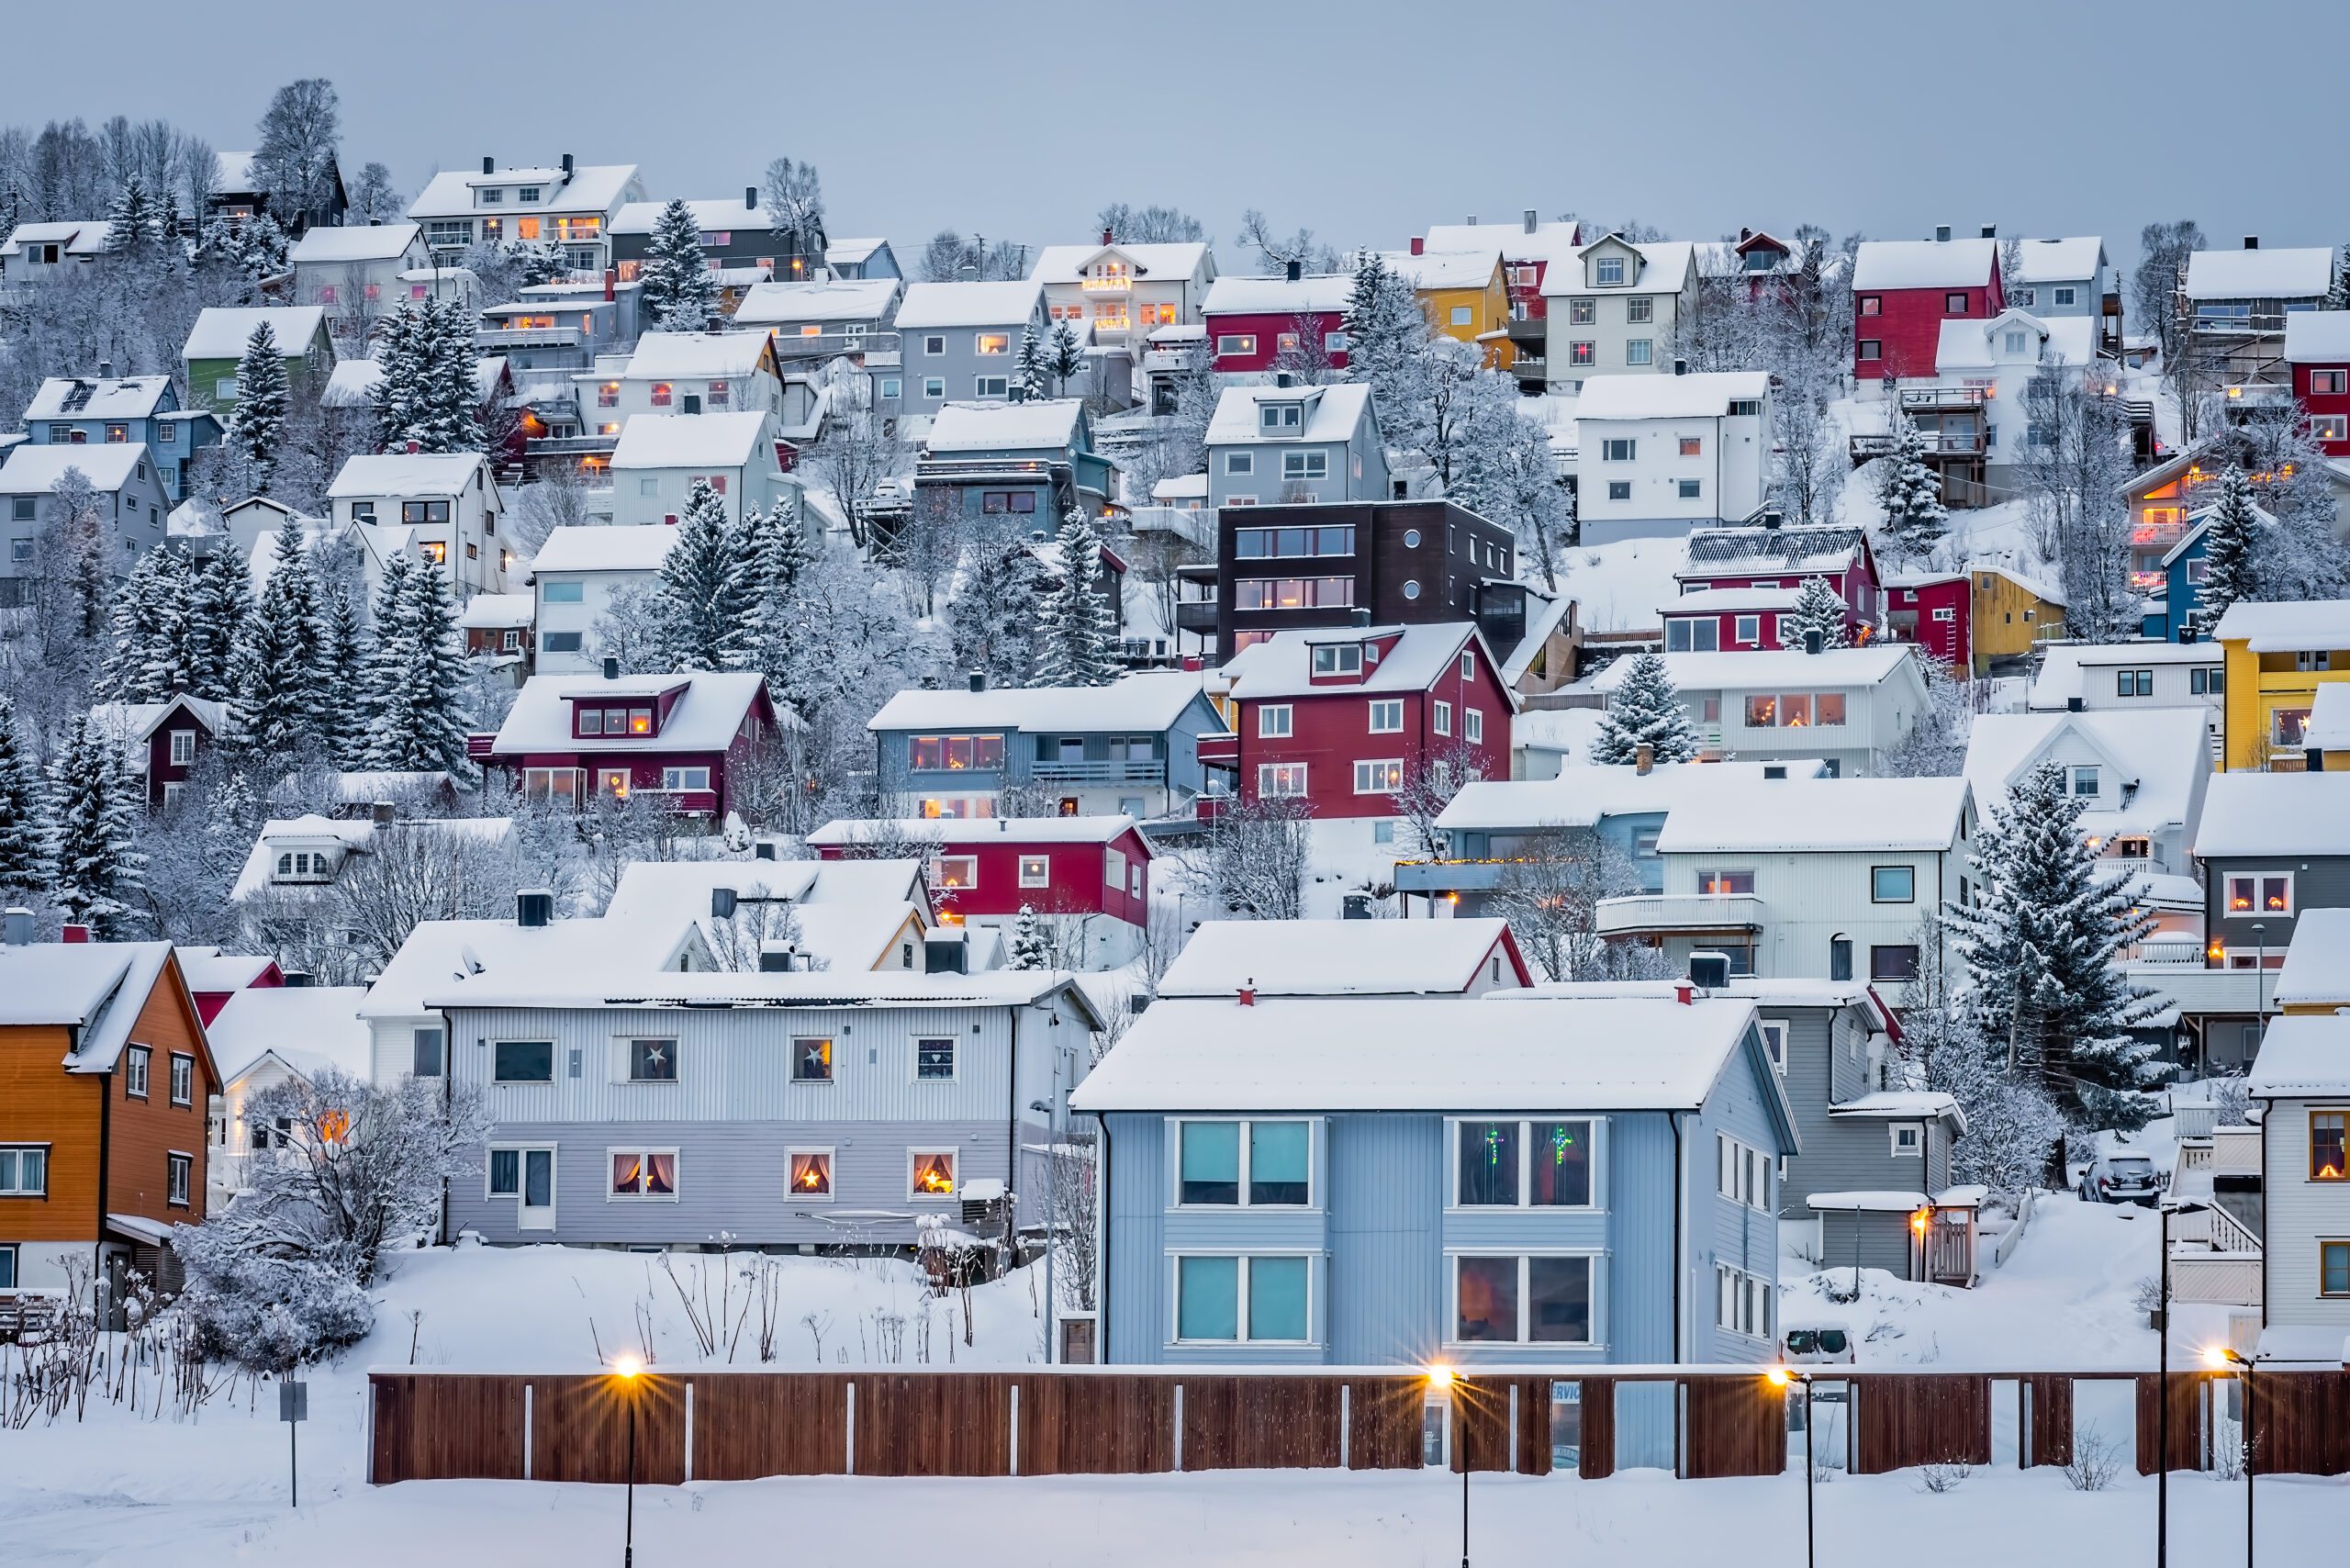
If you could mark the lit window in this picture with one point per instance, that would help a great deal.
(811, 1060)
(1378, 777)
(652, 1062)
(2328, 1130)
(991, 343)
(958, 871)
(1522, 1300)
(811, 1172)
(1035, 871)
(662, 394)
(1280, 780)
(931, 1175)
(644, 1174)
(1514, 1164)
(1720, 882)
(2264, 892)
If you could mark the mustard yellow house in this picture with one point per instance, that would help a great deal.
(2276, 656)
(2010, 615)
(1465, 294)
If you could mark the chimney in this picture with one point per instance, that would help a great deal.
(750, 198)
(721, 904)
(105, 370)
(979, 680)
(1643, 758)
(611, 667)
(775, 958)
(1108, 238)
(2252, 242)
(1295, 271)
(297, 980)
(1283, 379)
(1248, 992)
(1680, 367)
(1744, 233)
(566, 165)
(74, 931)
(611, 282)
(1812, 640)
(1990, 231)
(379, 812)
(2313, 758)
(414, 448)
(1774, 770)
(1684, 994)
(534, 907)
(2074, 705)
(1771, 522)
(1532, 222)
(1419, 244)
(1941, 233)
(488, 165)
(1473, 221)
(17, 927)
(763, 850)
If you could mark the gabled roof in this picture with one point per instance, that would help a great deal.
(2075, 259)
(364, 243)
(1741, 552)
(221, 331)
(1048, 424)
(593, 188)
(705, 718)
(1582, 796)
(1339, 957)
(720, 215)
(310, 1028)
(1790, 669)
(550, 986)
(35, 470)
(2163, 752)
(98, 398)
(2059, 679)
(959, 832)
(1967, 344)
(849, 299)
(2302, 1055)
(1333, 413)
(1418, 656)
(687, 356)
(2318, 337)
(1730, 601)
(353, 382)
(210, 968)
(498, 612)
(94, 988)
(1548, 243)
(439, 953)
(928, 305)
(350, 835)
(1925, 264)
(1469, 266)
(597, 548)
(1704, 395)
(1324, 293)
(1170, 262)
(407, 474)
(2328, 728)
(1664, 264)
(134, 723)
(2274, 813)
(81, 237)
(1826, 815)
(1151, 699)
(2268, 627)
(692, 441)
(2317, 962)
(849, 252)
(2304, 273)
(660, 894)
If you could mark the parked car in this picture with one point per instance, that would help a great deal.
(2120, 1179)
(1813, 1342)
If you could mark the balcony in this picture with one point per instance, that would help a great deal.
(1530, 368)
(1108, 283)
(1197, 616)
(1220, 750)
(527, 338)
(1938, 444)
(2231, 1278)
(1680, 915)
(1150, 771)
(1923, 397)
(833, 345)
(1450, 876)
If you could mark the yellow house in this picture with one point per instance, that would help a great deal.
(2315, 980)
(1465, 294)
(2010, 615)
(2276, 656)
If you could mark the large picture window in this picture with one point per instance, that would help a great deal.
(1246, 1164)
(523, 1061)
(954, 752)
(1524, 1164)
(644, 1174)
(1243, 1298)
(1518, 1300)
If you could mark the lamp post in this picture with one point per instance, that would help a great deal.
(1780, 1377)
(2222, 1356)
(2162, 1390)
(1918, 1227)
(1442, 1379)
(2259, 972)
(626, 1369)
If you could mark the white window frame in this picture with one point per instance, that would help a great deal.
(1269, 727)
(182, 748)
(954, 1165)
(135, 1061)
(1386, 716)
(1619, 449)
(1640, 351)
(21, 1190)
(934, 387)
(1747, 628)
(2073, 774)
(2330, 426)
(1269, 770)
(1592, 1286)
(2227, 896)
(1525, 1124)
(1042, 877)
(933, 345)
(1468, 664)
(1306, 464)
(2333, 385)
(1344, 658)
(832, 1172)
(1745, 1304)
(1774, 1040)
(1230, 344)
(1240, 464)
(182, 1084)
(1473, 725)
(1742, 1173)
(623, 1060)
(1241, 1278)
(990, 387)
(676, 1175)
(179, 1179)
(2067, 295)
(954, 1073)
(679, 779)
(1373, 775)
(831, 1060)
(1440, 716)
(1917, 1132)
(971, 876)
(1176, 1125)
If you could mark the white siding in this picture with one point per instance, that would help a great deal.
(2299, 1213)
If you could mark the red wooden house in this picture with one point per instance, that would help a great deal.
(686, 736)
(1770, 556)
(213, 977)
(1255, 324)
(1705, 620)
(160, 741)
(1345, 717)
(2317, 346)
(1936, 611)
(1903, 290)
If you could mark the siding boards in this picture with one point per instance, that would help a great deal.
(1385, 1301)
(748, 1425)
(1928, 1419)
(446, 1429)
(925, 1424)
(1096, 1425)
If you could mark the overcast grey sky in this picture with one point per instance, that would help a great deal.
(1367, 119)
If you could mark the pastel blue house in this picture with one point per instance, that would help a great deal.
(2169, 616)
(108, 410)
(1508, 1180)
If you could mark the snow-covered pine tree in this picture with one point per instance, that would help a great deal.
(1028, 948)
(2230, 550)
(704, 592)
(1645, 711)
(135, 236)
(773, 547)
(151, 660)
(274, 677)
(256, 426)
(1076, 628)
(82, 552)
(1818, 608)
(344, 718)
(220, 597)
(403, 398)
(94, 855)
(1031, 374)
(677, 292)
(994, 622)
(1915, 518)
(1387, 334)
(23, 812)
(2338, 296)
(1065, 358)
(450, 393)
(416, 675)
(2041, 942)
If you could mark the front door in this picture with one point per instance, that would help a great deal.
(536, 1210)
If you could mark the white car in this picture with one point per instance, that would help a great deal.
(2120, 1179)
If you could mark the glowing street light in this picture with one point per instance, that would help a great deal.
(1780, 1377)
(2223, 1357)
(627, 1368)
(1441, 1379)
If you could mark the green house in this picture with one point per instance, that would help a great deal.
(218, 344)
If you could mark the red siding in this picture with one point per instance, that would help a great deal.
(1077, 885)
(1857, 586)
(1909, 326)
(2324, 402)
(1268, 329)
(1950, 641)
(1727, 634)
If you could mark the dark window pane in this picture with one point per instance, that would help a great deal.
(1558, 1292)
(1896, 963)
(933, 1058)
(1561, 1173)
(652, 1062)
(505, 1171)
(428, 1054)
(538, 1177)
(525, 1061)
(1488, 1162)
(1488, 1305)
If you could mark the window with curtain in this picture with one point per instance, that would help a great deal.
(644, 1174)
(1488, 1163)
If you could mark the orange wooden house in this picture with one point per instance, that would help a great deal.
(105, 1082)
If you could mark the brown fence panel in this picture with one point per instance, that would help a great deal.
(747, 1425)
(1733, 1425)
(2300, 1424)
(934, 1423)
(1922, 1418)
(1533, 1457)
(1383, 1422)
(579, 1428)
(2048, 1437)
(1598, 1461)
(2186, 1421)
(1260, 1423)
(1096, 1425)
(1481, 1423)
(447, 1428)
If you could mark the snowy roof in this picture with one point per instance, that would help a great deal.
(1469, 266)
(1662, 262)
(2059, 679)
(1048, 424)
(131, 724)
(1716, 602)
(2299, 1055)
(2274, 813)
(1718, 552)
(1894, 1105)
(613, 549)
(665, 893)
(959, 832)
(2318, 337)
(721, 215)
(1548, 243)
(706, 717)
(95, 988)
(1873, 1200)
(1784, 668)
(35, 470)
(1704, 395)
(1332, 413)
(399, 474)
(539, 986)
(2074, 260)
(365, 242)
(1967, 344)
(1581, 797)
(1282, 665)
(1766, 995)
(352, 834)
(593, 188)
(221, 331)
(440, 952)
(1235, 295)
(354, 381)
(1173, 259)
(2278, 628)
(969, 304)
(1335, 958)
(2292, 274)
(308, 1027)
(210, 968)
(495, 612)
(1151, 699)
(93, 398)
(2328, 727)
(847, 253)
(81, 237)
(1798, 815)
(1361, 1053)
(2317, 962)
(685, 356)
(690, 441)
(1544, 614)
(1180, 488)
(1925, 264)
(847, 299)
(2162, 751)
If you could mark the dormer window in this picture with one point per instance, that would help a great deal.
(2015, 341)
(530, 194)
(1609, 270)
(1273, 418)
(1337, 659)
(493, 197)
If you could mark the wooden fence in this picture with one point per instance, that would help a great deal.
(722, 1425)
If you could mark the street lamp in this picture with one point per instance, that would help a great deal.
(626, 1369)
(2161, 1389)
(2222, 1356)
(2260, 972)
(1780, 1377)
(1441, 1379)
(1918, 1227)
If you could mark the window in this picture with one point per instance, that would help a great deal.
(1720, 882)
(2013, 342)
(1242, 1298)
(1280, 416)
(644, 1173)
(1741, 1301)
(1468, 664)
(1693, 446)
(954, 754)
(1907, 1140)
(1871, 351)
(1741, 1172)
(652, 1062)
(177, 1168)
(1522, 1300)
(2288, 725)
(562, 593)
(893, 388)
(990, 343)
(1619, 450)
(1237, 343)
(933, 347)
(24, 1171)
(990, 387)
(2067, 295)
(1640, 351)
(1035, 871)
(425, 1053)
(224, 390)
(1238, 464)
(662, 395)
(1774, 1040)
(1387, 716)
(182, 748)
(2083, 780)
(2334, 1268)
(1114, 869)
(1955, 304)
(134, 1071)
(2203, 682)
(1473, 725)
(1893, 884)
(812, 1058)
(2022, 298)
(1463, 316)
(1640, 310)
(1337, 659)
(1306, 464)
(1609, 270)
(1582, 312)
(1280, 780)
(1872, 305)
(1583, 352)
(2260, 892)
(1897, 961)
(1412, 589)
(2327, 1132)
(934, 387)
(1683, 635)
(934, 1059)
(680, 779)
(1381, 778)
(183, 1080)
(167, 432)
(1523, 1164)
(563, 642)
(1441, 717)
(1273, 719)
(721, 394)
(812, 1173)
(930, 1174)
(523, 1061)
(2330, 426)
(2133, 683)
(1746, 629)
(1619, 489)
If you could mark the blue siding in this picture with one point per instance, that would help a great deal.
(1386, 1233)
(1643, 1191)
(1727, 1231)
(1137, 1286)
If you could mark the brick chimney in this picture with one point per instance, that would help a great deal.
(1684, 994)
(1419, 244)
(1108, 238)
(74, 931)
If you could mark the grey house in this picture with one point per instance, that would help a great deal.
(2068, 277)
(832, 1109)
(131, 490)
(1271, 445)
(957, 341)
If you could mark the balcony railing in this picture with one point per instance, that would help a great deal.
(1670, 914)
(1529, 367)
(1938, 444)
(1196, 615)
(1113, 772)
(1944, 397)
(828, 345)
(1115, 283)
(2231, 1278)
(527, 338)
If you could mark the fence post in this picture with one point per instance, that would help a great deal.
(1511, 1463)
(690, 1429)
(1015, 1429)
(527, 1389)
(850, 1390)
(1346, 1423)
(370, 1470)
(1178, 1428)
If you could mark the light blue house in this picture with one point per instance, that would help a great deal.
(110, 409)
(2169, 616)
(1500, 1181)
